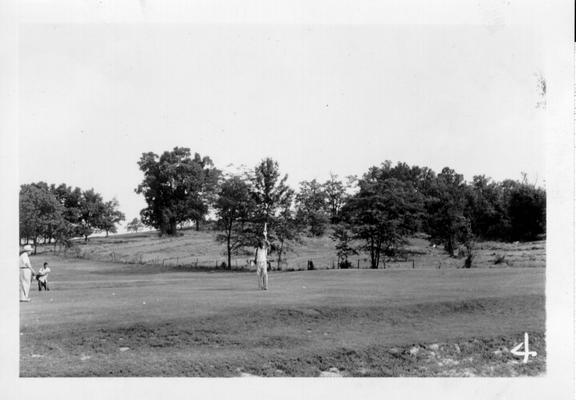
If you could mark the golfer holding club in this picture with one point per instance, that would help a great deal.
(261, 261)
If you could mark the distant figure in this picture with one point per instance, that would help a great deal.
(26, 273)
(262, 264)
(42, 277)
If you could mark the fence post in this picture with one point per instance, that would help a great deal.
(412, 264)
(358, 263)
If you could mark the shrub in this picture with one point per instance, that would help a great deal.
(500, 258)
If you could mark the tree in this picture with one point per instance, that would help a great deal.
(311, 207)
(335, 192)
(71, 200)
(342, 234)
(177, 188)
(134, 225)
(286, 227)
(92, 210)
(527, 211)
(382, 214)
(269, 189)
(486, 209)
(234, 208)
(273, 201)
(445, 208)
(111, 217)
(40, 213)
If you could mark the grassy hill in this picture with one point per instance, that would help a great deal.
(192, 249)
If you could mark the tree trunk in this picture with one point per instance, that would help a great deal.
(450, 246)
(373, 255)
(172, 227)
(280, 253)
(197, 225)
(229, 246)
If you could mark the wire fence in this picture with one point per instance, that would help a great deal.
(239, 264)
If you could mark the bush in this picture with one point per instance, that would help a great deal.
(500, 258)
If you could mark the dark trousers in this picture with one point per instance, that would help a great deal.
(42, 285)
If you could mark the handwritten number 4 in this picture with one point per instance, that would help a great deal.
(526, 353)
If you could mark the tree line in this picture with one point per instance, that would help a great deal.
(373, 214)
(55, 214)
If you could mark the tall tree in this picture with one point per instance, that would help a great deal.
(177, 188)
(336, 196)
(71, 199)
(527, 210)
(286, 227)
(92, 212)
(382, 214)
(311, 205)
(274, 201)
(445, 206)
(486, 209)
(234, 208)
(40, 213)
(269, 189)
(111, 216)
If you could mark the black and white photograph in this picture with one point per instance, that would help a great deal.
(350, 192)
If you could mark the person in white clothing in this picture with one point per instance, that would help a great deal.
(26, 273)
(262, 264)
(42, 277)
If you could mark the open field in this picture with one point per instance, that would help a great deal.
(110, 319)
(200, 249)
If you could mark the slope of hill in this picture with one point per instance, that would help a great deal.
(194, 249)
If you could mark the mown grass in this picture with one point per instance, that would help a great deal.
(108, 319)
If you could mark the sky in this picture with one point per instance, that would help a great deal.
(318, 98)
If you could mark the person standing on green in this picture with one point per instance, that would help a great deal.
(262, 264)
(261, 260)
(26, 273)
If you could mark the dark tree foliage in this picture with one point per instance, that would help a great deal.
(40, 213)
(486, 209)
(527, 211)
(273, 201)
(177, 188)
(269, 190)
(445, 208)
(59, 213)
(312, 205)
(111, 216)
(382, 214)
(92, 210)
(235, 208)
(335, 192)
(287, 229)
(342, 235)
